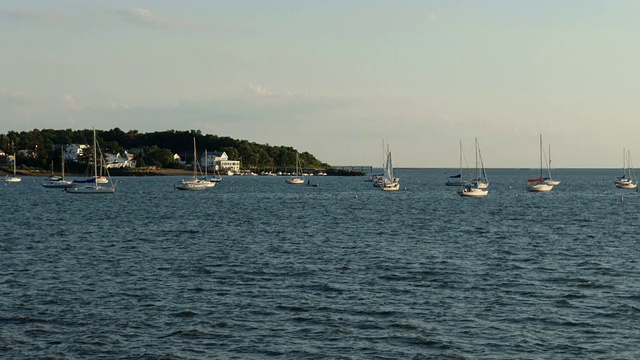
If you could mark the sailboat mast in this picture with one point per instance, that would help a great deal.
(541, 156)
(477, 170)
(460, 157)
(195, 173)
(95, 159)
(62, 160)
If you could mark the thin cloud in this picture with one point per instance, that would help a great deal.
(148, 18)
(259, 90)
(71, 102)
(34, 15)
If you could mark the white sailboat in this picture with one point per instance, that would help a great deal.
(627, 180)
(389, 181)
(549, 180)
(208, 182)
(94, 187)
(538, 185)
(194, 184)
(479, 185)
(297, 180)
(13, 178)
(59, 182)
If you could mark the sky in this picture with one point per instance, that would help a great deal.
(336, 78)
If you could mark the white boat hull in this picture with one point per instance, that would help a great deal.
(627, 185)
(539, 187)
(191, 186)
(473, 192)
(390, 187)
(295, 181)
(12, 179)
(551, 182)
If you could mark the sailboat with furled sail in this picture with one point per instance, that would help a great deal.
(479, 186)
(59, 182)
(194, 184)
(94, 187)
(627, 180)
(538, 185)
(549, 180)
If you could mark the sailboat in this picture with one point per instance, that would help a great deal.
(13, 178)
(538, 185)
(627, 180)
(59, 182)
(389, 181)
(549, 180)
(456, 180)
(480, 183)
(297, 180)
(194, 184)
(208, 182)
(94, 187)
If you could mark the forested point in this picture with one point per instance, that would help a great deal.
(151, 149)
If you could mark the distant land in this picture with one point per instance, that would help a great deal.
(35, 150)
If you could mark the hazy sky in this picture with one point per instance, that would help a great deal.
(336, 78)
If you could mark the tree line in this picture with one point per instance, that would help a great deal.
(154, 148)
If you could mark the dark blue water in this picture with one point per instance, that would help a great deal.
(255, 268)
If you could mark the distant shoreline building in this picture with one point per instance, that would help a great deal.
(220, 161)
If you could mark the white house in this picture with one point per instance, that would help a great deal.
(74, 151)
(120, 160)
(220, 160)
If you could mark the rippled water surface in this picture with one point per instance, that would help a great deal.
(255, 268)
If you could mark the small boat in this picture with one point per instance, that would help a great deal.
(627, 180)
(194, 184)
(549, 180)
(538, 185)
(297, 180)
(479, 186)
(389, 181)
(58, 182)
(13, 178)
(472, 191)
(93, 187)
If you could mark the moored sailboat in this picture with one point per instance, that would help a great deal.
(94, 187)
(389, 182)
(194, 184)
(627, 180)
(538, 185)
(479, 185)
(549, 180)
(13, 178)
(297, 179)
(58, 181)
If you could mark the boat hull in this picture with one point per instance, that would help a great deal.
(540, 187)
(60, 184)
(295, 181)
(390, 187)
(474, 192)
(629, 185)
(12, 179)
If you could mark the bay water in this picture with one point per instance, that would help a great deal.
(255, 268)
